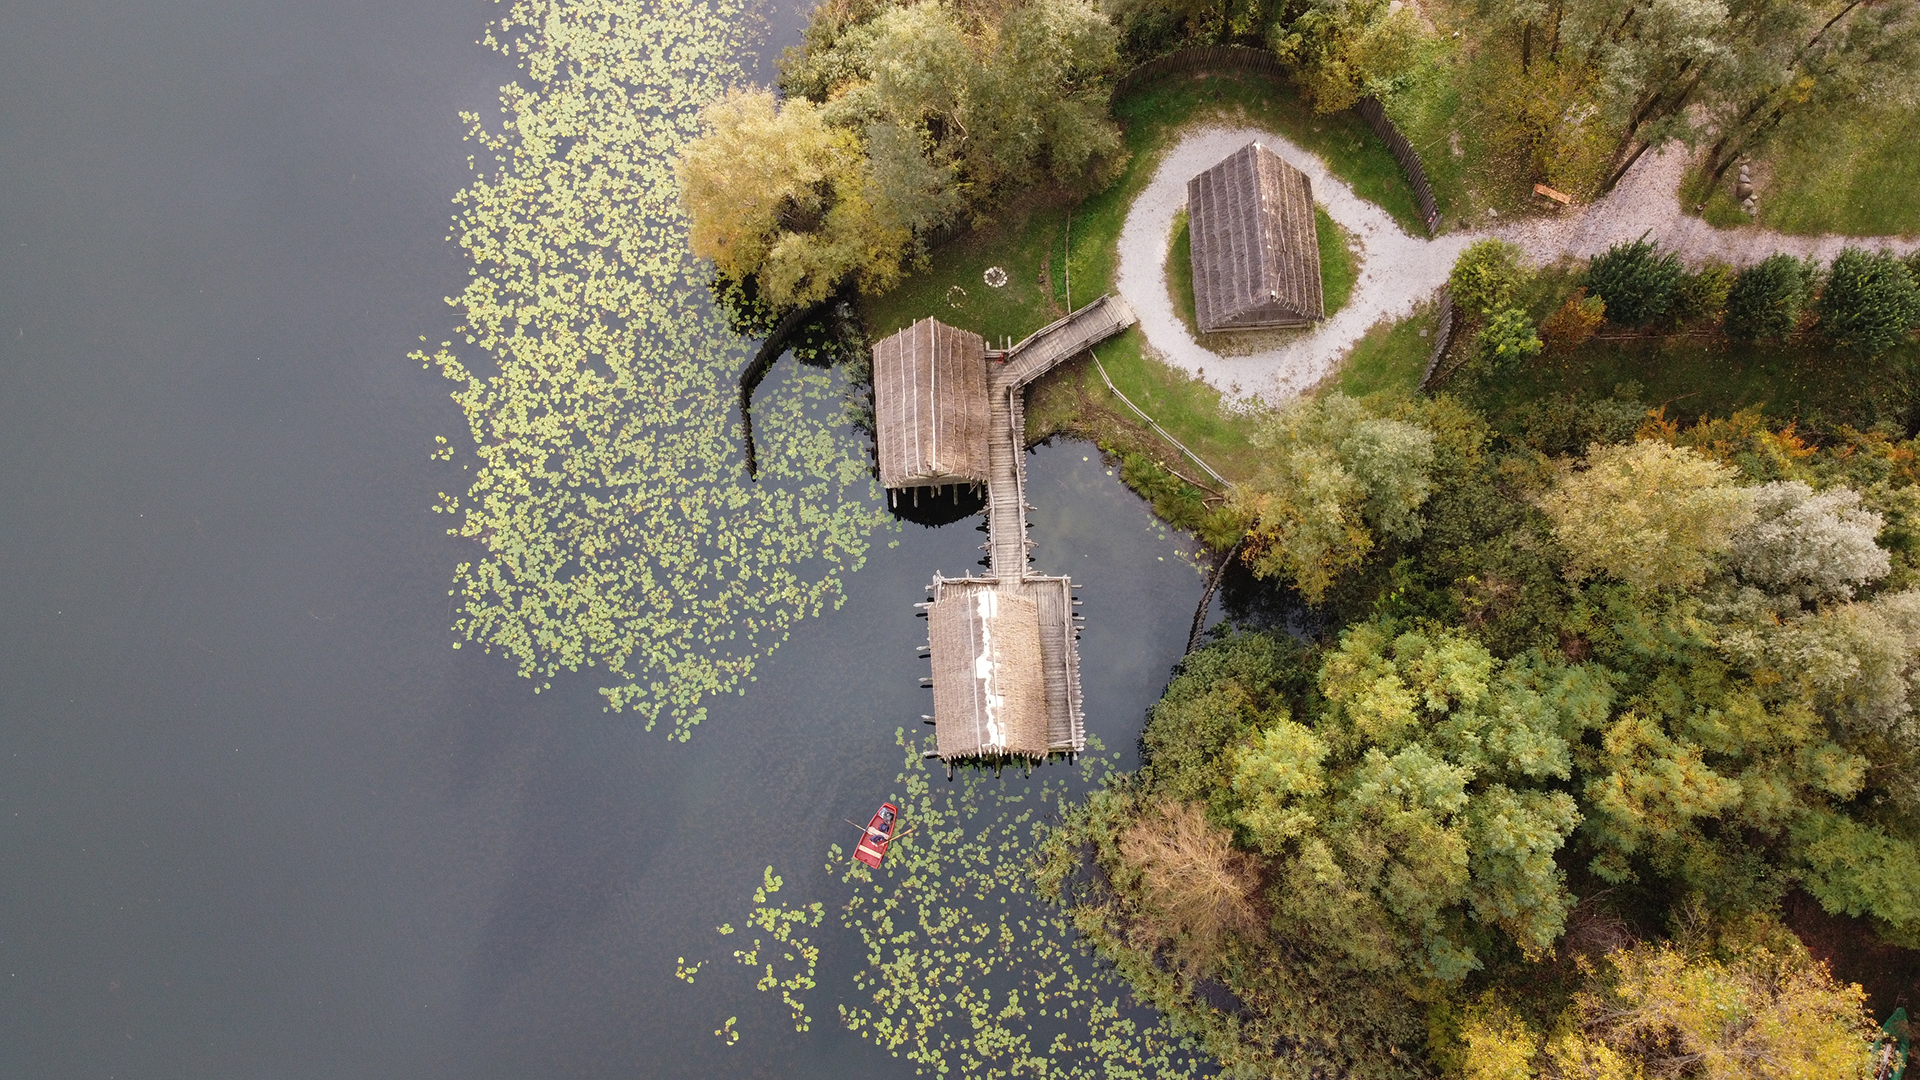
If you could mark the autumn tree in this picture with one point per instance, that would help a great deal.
(1332, 478)
(1651, 514)
(1745, 1003)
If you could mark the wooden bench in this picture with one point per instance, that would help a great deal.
(1560, 197)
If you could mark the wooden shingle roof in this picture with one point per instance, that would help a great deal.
(1256, 258)
(930, 406)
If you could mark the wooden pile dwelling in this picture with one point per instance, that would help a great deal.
(1004, 647)
(1255, 250)
(930, 407)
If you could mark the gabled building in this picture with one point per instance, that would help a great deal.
(1255, 251)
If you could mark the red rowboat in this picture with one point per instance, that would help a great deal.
(873, 843)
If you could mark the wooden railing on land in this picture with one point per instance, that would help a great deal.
(1442, 337)
(1404, 153)
(1208, 58)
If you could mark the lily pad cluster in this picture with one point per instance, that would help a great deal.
(965, 973)
(617, 526)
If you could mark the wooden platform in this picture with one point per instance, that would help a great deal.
(977, 704)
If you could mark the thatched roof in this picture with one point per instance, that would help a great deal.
(1256, 259)
(930, 406)
(1006, 668)
(989, 695)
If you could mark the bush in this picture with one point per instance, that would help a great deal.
(1870, 303)
(1703, 295)
(1569, 328)
(1767, 297)
(1507, 339)
(1486, 276)
(1637, 283)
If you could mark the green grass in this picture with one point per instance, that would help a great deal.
(1339, 263)
(1392, 356)
(1858, 175)
(1701, 376)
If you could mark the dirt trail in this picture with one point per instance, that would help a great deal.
(1398, 271)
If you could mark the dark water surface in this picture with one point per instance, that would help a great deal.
(257, 819)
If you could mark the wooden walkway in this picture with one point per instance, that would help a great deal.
(1007, 380)
(1008, 374)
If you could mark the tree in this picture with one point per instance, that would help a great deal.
(1197, 889)
(1808, 546)
(1332, 475)
(1798, 55)
(1347, 49)
(1637, 284)
(900, 118)
(1870, 304)
(1653, 515)
(1419, 797)
(1486, 276)
(1573, 323)
(1751, 1008)
(1766, 298)
(1703, 295)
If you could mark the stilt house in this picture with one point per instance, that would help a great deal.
(930, 407)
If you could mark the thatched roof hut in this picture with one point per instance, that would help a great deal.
(1256, 258)
(989, 694)
(1006, 668)
(930, 406)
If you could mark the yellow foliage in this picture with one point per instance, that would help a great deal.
(1649, 513)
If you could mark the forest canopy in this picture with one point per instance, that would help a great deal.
(1529, 802)
(895, 120)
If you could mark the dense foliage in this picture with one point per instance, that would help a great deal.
(1558, 701)
(897, 118)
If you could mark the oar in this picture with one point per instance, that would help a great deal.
(890, 839)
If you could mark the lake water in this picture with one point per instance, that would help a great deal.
(257, 818)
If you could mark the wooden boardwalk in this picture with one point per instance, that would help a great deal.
(1007, 382)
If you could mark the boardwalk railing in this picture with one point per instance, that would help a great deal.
(1261, 62)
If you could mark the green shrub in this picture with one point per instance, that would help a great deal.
(1486, 276)
(1703, 295)
(1507, 339)
(1870, 303)
(1767, 298)
(1637, 282)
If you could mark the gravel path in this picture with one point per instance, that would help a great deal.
(1398, 271)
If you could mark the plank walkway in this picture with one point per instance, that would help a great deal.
(1007, 381)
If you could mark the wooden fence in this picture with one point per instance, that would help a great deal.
(1404, 153)
(1208, 58)
(1441, 338)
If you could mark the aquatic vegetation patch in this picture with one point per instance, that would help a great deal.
(618, 529)
(965, 974)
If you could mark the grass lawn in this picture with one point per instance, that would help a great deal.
(1392, 356)
(1858, 175)
(1696, 376)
